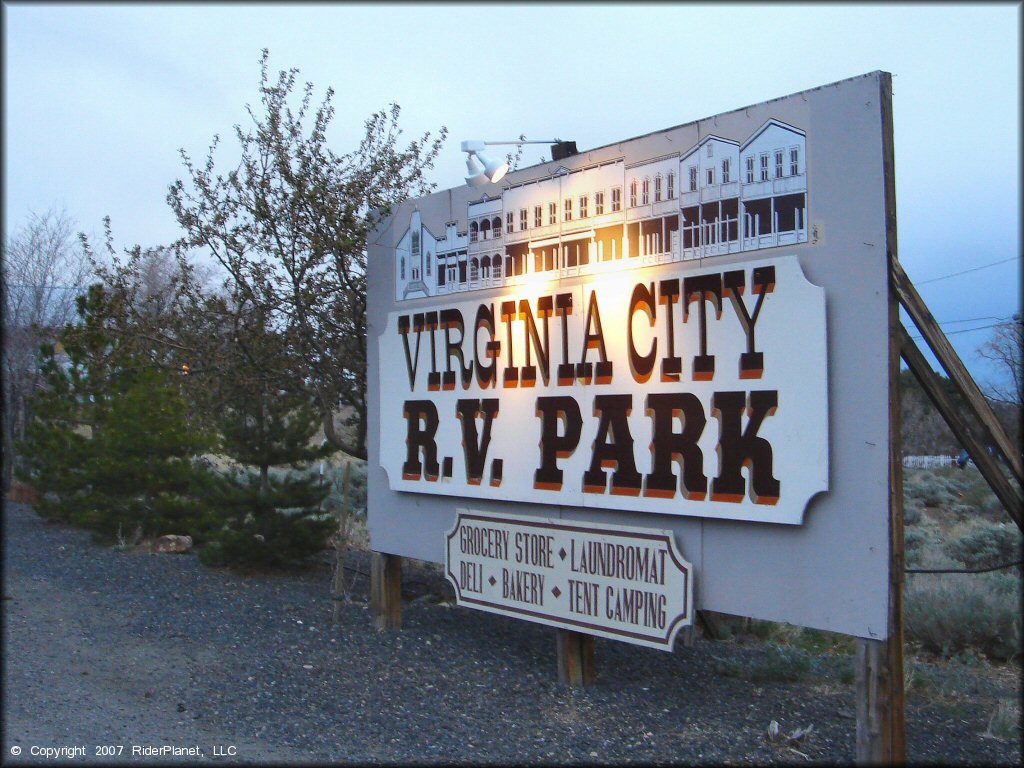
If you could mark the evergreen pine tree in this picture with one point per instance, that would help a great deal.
(272, 522)
(111, 447)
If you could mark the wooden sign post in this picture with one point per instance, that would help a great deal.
(881, 704)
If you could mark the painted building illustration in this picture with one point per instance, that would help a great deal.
(716, 198)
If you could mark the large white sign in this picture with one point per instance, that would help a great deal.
(628, 584)
(686, 330)
(698, 392)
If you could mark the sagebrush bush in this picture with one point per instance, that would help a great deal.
(925, 488)
(777, 664)
(986, 546)
(914, 542)
(951, 614)
(912, 513)
(958, 678)
(781, 664)
(976, 494)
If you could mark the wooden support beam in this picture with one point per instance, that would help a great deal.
(577, 663)
(881, 703)
(386, 590)
(992, 431)
(951, 412)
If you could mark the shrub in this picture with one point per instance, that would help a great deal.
(914, 540)
(986, 546)
(950, 615)
(977, 494)
(781, 664)
(912, 513)
(925, 488)
(356, 491)
(777, 664)
(964, 512)
(1005, 721)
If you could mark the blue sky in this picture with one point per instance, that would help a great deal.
(99, 98)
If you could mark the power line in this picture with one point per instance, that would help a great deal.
(973, 320)
(964, 272)
(965, 330)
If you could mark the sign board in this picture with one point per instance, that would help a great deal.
(685, 331)
(627, 584)
(625, 392)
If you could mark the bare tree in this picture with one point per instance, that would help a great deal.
(1004, 349)
(43, 273)
(290, 224)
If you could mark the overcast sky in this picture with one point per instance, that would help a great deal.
(98, 99)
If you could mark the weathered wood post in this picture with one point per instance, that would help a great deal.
(881, 706)
(386, 590)
(577, 662)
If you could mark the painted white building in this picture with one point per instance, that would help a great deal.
(773, 187)
(428, 264)
(710, 198)
(717, 197)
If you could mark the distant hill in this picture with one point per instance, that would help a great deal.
(925, 432)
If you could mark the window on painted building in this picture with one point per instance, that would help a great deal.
(764, 167)
(415, 273)
(778, 164)
(401, 270)
(671, 193)
(430, 258)
(693, 178)
(522, 219)
(583, 206)
(711, 149)
(568, 209)
(496, 266)
(474, 270)
(632, 194)
(474, 232)
(657, 188)
(645, 191)
(538, 216)
(616, 199)
(451, 272)
(794, 161)
(496, 226)
(598, 203)
(725, 171)
(415, 243)
(711, 177)
(750, 169)
(552, 213)
(509, 226)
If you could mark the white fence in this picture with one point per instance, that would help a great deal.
(927, 462)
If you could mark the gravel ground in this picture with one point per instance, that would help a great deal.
(122, 649)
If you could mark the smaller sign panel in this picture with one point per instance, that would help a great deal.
(629, 584)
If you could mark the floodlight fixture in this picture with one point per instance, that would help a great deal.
(483, 169)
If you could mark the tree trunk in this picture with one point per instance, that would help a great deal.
(264, 481)
(357, 449)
